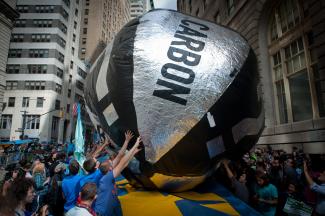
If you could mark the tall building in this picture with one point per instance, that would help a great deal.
(7, 16)
(137, 8)
(44, 75)
(288, 39)
(101, 20)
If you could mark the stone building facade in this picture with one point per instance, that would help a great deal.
(7, 15)
(44, 76)
(288, 37)
(101, 20)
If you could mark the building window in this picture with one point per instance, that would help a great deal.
(84, 40)
(58, 88)
(42, 23)
(20, 23)
(11, 102)
(75, 25)
(67, 2)
(76, 12)
(71, 64)
(22, 8)
(41, 37)
(72, 50)
(35, 85)
(82, 73)
(37, 69)
(63, 27)
(5, 122)
(57, 104)
(44, 8)
(80, 85)
(39, 53)
(64, 14)
(32, 121)
(230, 7)
(25, 102)
(55, 127)
(86, 21)
(12, 69)
(70, 78)
(11, 85)
(39, 102)
(61, 57)
(83, 51)
(17, 38)
(85, 31)
(86, 11)
(291, 70)
(14, 53)
(68, 108)
(74, 38)
(285, 17)
(319, 77)
(59, 72)
(61, 42)
(69, 93)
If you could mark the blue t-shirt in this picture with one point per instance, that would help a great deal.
(268, 192)
(92, 177)
(70, 188)
(107, 200)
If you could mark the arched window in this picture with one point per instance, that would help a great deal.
(297, 85)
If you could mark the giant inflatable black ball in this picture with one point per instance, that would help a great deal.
(188, 86)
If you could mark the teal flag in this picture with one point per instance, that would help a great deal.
(79, 139)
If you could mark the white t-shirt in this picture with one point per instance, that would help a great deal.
(77, 211)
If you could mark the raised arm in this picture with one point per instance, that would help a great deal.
(308, 178)
(128, 136)
(229, 173)
(99, 149)
(126, 158)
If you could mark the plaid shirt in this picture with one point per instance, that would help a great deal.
(39, 179)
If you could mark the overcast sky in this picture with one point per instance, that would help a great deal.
(170, 4)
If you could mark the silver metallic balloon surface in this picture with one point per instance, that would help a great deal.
(163, 123)
(177, 71)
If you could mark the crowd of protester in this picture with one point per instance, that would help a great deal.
(59, 185)
(265, 179)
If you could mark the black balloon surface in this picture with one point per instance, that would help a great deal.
(188, 86)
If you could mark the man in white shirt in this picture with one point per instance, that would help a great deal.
(87, 197)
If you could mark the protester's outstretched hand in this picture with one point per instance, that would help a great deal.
(137, 143)
(305, 165)
(128, 136)
(225, 161)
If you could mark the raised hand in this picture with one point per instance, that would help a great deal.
(139, 140)
(136, 148)
(128, 135)
(107, 140)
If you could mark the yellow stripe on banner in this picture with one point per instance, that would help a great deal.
(224, 207)
(191, 195)
(154, 203)
(147, 203)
